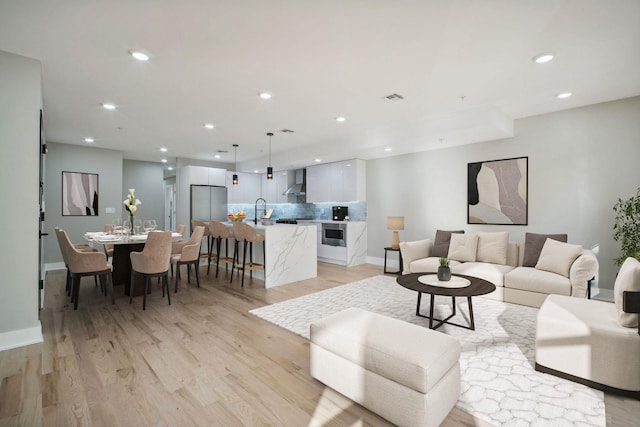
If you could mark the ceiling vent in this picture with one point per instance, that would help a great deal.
(286, 131)
(222, 151)
(394, 97)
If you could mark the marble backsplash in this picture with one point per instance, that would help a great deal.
(317, 211)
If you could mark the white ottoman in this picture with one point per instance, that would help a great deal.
(403, 372)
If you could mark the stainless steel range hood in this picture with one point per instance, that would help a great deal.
(300, 187)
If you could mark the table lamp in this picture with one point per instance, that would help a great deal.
(395, 223)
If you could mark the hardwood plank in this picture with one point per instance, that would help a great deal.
(203, 360)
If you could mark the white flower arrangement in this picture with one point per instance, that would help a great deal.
(131, 203)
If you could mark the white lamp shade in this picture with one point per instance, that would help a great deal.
(395, 223)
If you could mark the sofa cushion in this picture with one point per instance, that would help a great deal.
(428, 265)
(416, 249)
(493, 273)
(557, 257)
(441, 243)
(533, 244)
(628, 280)
(492, 247)
(530, 279)
(463, 247)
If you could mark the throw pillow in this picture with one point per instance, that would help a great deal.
(557, 257)
(492, 247)
(416, 249)
(441, 243)
(463, 247)
(533, 244)
(628, 280)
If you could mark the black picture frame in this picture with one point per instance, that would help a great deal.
(80, 194)
(498, 192)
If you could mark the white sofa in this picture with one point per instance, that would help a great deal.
(560, 268)
(596, 343)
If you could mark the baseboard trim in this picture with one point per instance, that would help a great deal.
(54, 266)
(589, 383)
(21, 337)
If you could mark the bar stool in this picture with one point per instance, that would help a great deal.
(207, 233)
(220, 231)
(246, 234)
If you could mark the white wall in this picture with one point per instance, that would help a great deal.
(580, 162)
(77, 158)
(20, 104)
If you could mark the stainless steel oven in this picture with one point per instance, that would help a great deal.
(334, 234)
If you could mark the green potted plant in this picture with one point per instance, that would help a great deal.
(444, 272)
(626, 228)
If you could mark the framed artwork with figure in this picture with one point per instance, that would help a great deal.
(497, 192)
(79, 194)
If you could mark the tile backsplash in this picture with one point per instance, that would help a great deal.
(318, 211)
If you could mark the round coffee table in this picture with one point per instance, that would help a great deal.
(459, 286)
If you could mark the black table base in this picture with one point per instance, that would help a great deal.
(471, 324)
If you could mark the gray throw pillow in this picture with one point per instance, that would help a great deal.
(441, 243)
(533, 244)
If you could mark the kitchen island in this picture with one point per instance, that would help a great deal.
(291, 253)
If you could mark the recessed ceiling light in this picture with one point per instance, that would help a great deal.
(170, 168)
(164, 160)
(256, 171)
(265, 95)
(209, 125)
(563, 95)
(388, 149)
(340, 119)
(108, 106)
(317, 160)
(217, 156)
(164, 149)
(89, 140)
(542, 58)
(139, 55)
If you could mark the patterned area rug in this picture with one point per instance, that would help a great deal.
(499, 383)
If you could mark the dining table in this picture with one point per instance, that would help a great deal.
(123, 245)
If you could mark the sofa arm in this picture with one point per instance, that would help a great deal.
(414, 250)
(583, 269)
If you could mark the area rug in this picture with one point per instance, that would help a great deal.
(499, 383)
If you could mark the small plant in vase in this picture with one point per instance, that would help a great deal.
(444, 272)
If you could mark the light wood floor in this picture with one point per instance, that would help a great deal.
(202, 361)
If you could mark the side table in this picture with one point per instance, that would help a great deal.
(386, 250)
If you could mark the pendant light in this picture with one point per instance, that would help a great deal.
(235, 164)
(269, 168)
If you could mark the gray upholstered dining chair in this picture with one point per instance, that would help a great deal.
(84, 263)
(152, 261)
(220, 232)
(189, 255)
(247, 235)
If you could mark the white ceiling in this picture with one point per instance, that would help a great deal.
(463, 66)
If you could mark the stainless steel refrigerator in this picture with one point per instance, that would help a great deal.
(208, 203)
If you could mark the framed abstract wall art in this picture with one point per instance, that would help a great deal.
(79, 194)
(497, 192)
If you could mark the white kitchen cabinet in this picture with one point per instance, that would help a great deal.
(246, 191)
(337, 182)
(272, 189)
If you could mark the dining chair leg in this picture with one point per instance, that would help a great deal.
(197, 274)
(76, 291)
(233, 261)
(251, 260)
(131, 288)
(144, 296)
(188, 273)
(176, 276)
(218, 245)
(110, 286)
(67, 287)
(165, 280)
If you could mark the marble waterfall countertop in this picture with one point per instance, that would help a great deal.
(290, 253)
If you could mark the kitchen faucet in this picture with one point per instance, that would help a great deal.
(255, 209)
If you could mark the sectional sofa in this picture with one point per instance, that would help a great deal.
(524, 273)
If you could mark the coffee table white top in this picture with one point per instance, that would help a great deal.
(455, 282)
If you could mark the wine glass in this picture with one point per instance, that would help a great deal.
(146, 226)
(115, 226)
(153, 224)
(138, 225)
(126, 228)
